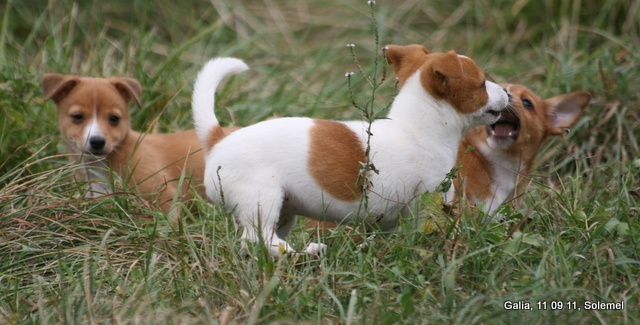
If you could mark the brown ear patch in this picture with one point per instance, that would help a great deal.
(564, 110)
(406, 59)
(458, 80)
(58, 86)
(128, 88)
(448, 66)
(335, 154)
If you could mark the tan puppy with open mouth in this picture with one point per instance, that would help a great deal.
(505, 151)
(314, 168)
(93, 116)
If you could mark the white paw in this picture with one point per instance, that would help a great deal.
(315, 248)
(279, 247)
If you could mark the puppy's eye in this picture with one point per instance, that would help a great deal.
(484, 84)
(114, 119)
(77, 118)
(527, 104)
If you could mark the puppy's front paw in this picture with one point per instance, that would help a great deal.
(279, 247)
(315, 248)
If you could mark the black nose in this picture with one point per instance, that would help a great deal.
(97, 142)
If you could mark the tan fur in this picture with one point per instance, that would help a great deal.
(405, 59)
(152, 164)
(474, 167)
(74, 95)
(477, 175)
(216, 134)
(156, 162)
(335, 154)
(441, 74)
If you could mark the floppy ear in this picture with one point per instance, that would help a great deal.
(448, 66)
(564, 110)
(405, 59)
(128, 88)
(57, 86)
(397, 53)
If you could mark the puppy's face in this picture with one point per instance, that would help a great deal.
(93, 113)
(453, 78)
(529, 118)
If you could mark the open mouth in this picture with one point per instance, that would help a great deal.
(508, 126)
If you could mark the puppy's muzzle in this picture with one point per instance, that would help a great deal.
(497, 113)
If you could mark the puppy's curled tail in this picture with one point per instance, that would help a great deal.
(203, 99)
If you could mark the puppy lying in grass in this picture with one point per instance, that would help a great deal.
(93, 117)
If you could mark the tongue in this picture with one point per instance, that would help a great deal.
(503, 130)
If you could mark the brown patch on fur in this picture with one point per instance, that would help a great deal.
(58, 86)
(406, 60)
(154, 163)
(216, 134)
(335, 154)
(457, 80)
(129, 89)
(446, 76)
(474, 175)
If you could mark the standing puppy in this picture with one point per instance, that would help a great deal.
(304, 166)
(505, 151)
(93, 116)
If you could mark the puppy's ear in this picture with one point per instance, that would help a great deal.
(57, 86)
(395, 54)
(564, 110)
(448, 66)
(129, 89)
(406, 59)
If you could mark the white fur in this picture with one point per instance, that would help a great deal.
(262, 171)
(505, 173)
(95, 171)
(204, 92)
(92, 130)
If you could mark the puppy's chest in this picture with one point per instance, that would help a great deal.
(96, 174)
(505, 172)
(504, 179)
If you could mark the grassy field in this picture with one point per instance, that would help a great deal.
(70, 260)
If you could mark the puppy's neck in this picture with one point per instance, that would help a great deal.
(427, 119)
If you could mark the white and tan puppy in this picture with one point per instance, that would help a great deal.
(93, 117)
(505, 151)
(274, 170)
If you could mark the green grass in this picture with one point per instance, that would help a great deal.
(70, 260)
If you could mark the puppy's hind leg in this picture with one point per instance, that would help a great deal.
(285, 224)
(261, 222)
